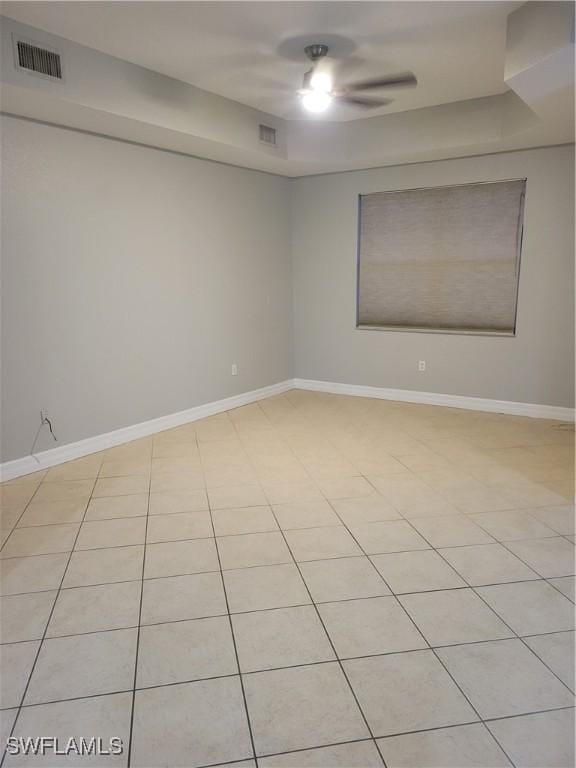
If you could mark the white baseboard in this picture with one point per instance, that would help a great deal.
(54, 456)
(510, 407)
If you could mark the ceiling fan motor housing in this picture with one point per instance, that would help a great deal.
(316, 51)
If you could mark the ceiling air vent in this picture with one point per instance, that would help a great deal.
(42, 61)
(267, 135)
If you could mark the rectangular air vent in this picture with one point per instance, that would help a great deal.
(268, 135)
(42, 61)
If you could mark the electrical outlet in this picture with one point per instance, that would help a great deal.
(421, 365)
(44, 417)
(234, 369)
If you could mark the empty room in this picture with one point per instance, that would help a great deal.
(287, 384)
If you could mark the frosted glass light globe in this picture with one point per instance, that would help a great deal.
(316, 101)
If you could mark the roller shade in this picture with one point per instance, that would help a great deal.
(442, 258)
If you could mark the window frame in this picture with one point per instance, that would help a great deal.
(443, 331)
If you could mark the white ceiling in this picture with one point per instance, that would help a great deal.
(252, 52)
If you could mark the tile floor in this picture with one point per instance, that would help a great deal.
(311, 580)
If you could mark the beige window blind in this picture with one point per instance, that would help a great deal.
(441, 259)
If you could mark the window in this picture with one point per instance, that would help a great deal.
(441, 259)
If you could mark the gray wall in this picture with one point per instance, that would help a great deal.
(535, 367)
(131, 280)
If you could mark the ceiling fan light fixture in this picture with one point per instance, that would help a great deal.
(316, 100)
(318, 89)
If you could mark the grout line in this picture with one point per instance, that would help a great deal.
(283, 608)
(139, 629)
(304, 562)
(231, 626)
(313, 749)
(548, 580)
(34, 704)
(118, 692)
(401, 517)
(43, 638)
(503, 542)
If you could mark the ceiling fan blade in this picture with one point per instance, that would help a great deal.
(361, 101)
(401, 80)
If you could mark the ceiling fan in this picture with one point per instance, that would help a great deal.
(319, 91)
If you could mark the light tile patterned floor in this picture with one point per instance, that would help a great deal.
(312, 580)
